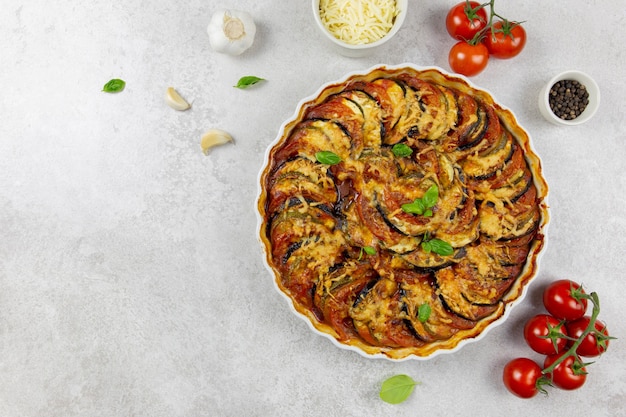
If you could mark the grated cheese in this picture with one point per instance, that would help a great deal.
(358, 21)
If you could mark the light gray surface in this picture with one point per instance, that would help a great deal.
(131, 280)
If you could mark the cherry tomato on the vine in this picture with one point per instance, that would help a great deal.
(569, 374)
(595, 343)
(563, 300)
(465, 20)
(468, 59)
(545, 334)
(505, 39)
(520, 377)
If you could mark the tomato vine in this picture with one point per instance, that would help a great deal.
(480, 35)
(562, 368)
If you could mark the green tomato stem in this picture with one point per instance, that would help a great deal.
(489, 28)
(590, 327)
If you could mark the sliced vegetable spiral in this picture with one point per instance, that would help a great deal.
(320, 217)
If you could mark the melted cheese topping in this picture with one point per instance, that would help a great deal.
(325, 216)
(358, 21)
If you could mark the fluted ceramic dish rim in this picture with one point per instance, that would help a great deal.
(510, 305)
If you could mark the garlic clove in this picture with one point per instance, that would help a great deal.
(175, 100)
(214, 137)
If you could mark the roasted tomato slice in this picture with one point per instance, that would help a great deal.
(336, 293)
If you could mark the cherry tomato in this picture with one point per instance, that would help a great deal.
(545, 334)
(466, 19)
(569, 374)
(520, 377)
(562, 299)
(595, 343)
(468, 59)
(506, 40)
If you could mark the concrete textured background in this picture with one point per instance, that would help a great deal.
(131, 279)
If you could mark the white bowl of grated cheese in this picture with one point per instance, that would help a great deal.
(357, 28)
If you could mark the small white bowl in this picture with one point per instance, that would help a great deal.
(356, 51)
(590, 110)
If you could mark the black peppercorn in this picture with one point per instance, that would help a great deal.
(568, 99)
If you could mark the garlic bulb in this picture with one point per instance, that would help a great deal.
(231, 31)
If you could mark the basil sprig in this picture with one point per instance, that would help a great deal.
(397, 389)
(423, 206)
(248, 81)
(114, 86)
(327, 157)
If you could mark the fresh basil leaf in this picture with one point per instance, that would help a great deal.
(401, 150)
(440, 247)
(422, 205)
(423, 312)
(397, 389)
(431, 196)
(370, 250)
(416, 207)
(327, 157)
(248, 81)
(426, 246)
(114, 86)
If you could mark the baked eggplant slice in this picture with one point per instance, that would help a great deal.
(389, 94)
(380, 190)
(372, 129)
(468, 118)
(417, 291)
(304, 180)
(474, 286)
(463, 226)
(484, 138)
(508, 221)
(345, 112)
(389, 202)
(312, 136)
(473, 135)
(376, 315)
(503, 253)
(439, 109)
(510, 183)
(485, 165)
(304, 242)
(336, 293)
(409, 118)
(461, 290)
(309, 228)
(431, 261)
(390, 237)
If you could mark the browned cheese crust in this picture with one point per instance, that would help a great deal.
(352, 259)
